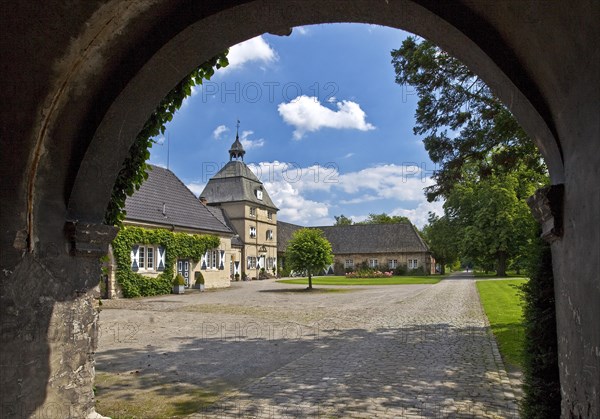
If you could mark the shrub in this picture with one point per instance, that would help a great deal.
(338, 268)
(199, 278)
(178, 280)
(237, 277)
(400, 270)
(417, 271)
(541, 385)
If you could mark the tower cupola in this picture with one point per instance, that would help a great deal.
(237, 149)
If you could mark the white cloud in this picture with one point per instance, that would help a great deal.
(419, 215)
(249, 143)
(290, 186)
(307, 114)
(347, 156)
(252, 50)
(332, 99)
(220, 130)
(196, 187)
(301, 30)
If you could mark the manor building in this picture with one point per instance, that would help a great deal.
(236, 207)
(241, 196)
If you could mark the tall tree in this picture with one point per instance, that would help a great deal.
(342, 220)
(384, 218)
(308, 250)
(463, 122)
(442, 237)
(495, 224)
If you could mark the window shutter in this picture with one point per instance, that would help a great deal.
(222, 265)
(161, 258)
(134, 258)
(203, 261)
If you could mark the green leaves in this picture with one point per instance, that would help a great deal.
(308, 250)
(177, 245)
(463, 123)
(133, 171)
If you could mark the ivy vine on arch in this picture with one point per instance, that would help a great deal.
(134, 170)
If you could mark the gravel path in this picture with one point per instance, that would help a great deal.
(386, 351)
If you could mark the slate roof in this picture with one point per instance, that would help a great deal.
(182, 208)
(236, 182)
(362, 238)
(284, 234)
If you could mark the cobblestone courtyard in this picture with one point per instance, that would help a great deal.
(385, 351)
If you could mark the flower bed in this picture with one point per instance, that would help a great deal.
(369, 273)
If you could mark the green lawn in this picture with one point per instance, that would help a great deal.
(342, 280)
(504, 308)
(509, 275)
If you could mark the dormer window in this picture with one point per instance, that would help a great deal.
(259, 194)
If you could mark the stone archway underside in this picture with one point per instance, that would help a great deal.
(80, 79)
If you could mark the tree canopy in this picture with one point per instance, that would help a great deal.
(441, 236)
(309, 251)
(493, 223)
(463, 122)
(342, 220)
(384, 218)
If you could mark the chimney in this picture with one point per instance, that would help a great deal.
(203, 200)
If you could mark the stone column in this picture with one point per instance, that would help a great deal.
(49, 327)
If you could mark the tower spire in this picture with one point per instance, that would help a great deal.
(237, 149)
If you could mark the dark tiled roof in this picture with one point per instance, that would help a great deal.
(284, 234)
(236, 182)
(374, 238)
(362, 238)
(182, 208)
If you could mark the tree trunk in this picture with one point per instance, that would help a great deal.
(501, 271)
(309, 281)
(442, 269)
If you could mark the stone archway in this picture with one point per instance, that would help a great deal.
(78, 91)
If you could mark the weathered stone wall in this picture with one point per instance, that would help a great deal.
(75, 78)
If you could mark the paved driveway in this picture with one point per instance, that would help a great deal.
(385, 351)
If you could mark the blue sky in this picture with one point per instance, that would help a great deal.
(324, 125)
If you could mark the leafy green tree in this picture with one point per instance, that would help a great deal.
(442, 237)
(342, 220)
(494, 223)
(134, 170)
(308, 250)
(463, 122)
(383, 218)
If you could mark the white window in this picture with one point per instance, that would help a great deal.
(349, 263)
(252, 232)
(393, 263)
(251, 262)
(142, 258)
(259, 194)
(413, 263)
(269, 215)
(149, 258)
(212, 259)
(252, 212)
(269, 234)
(373, 263)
